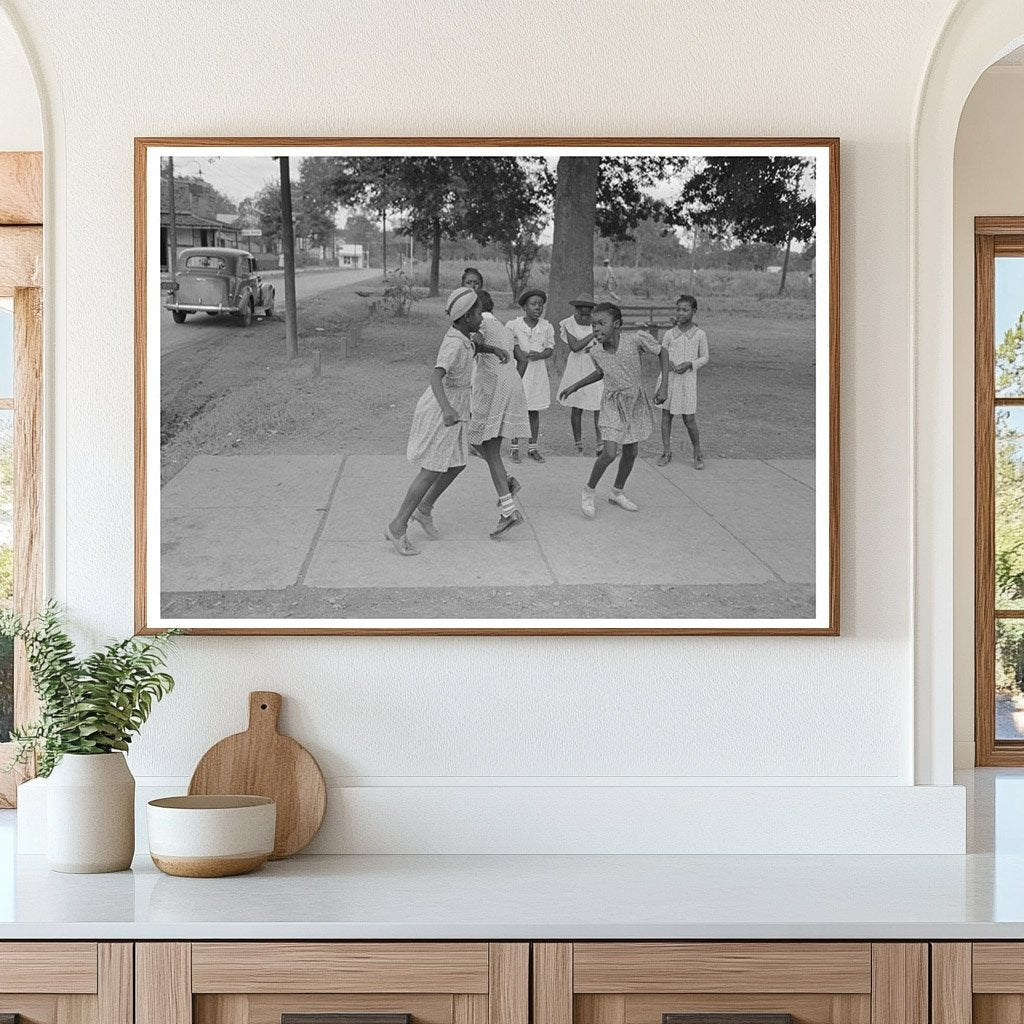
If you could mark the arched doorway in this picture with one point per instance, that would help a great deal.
(977, 33)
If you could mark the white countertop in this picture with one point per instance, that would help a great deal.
(516, 897)
(976, 896)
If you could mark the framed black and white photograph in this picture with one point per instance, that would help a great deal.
(498, 386)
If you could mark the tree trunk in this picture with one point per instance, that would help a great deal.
(435, 258)
(693, 259)
(785, 264)
(572, 249)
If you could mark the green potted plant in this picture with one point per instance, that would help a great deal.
(89, 710)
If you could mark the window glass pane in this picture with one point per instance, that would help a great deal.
(1009, 679)
(1009, 574)
(1009, 338)
(6, 351)
(6, 567)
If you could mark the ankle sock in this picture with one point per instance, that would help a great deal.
(508, 506)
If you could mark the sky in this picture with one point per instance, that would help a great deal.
(6, 352)
(1009, 293)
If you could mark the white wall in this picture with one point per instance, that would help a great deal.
(987, 182)
(442, 713)
(21, 126)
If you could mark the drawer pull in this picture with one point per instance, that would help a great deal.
(727, 1018)
(340, 1018)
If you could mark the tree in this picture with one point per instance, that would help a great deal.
(504, 201)
(1009, 503)
(364, 182)
(609, 194)
(760, 199)
(429, 188)
(263, 210)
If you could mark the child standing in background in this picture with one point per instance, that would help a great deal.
(687, 347)
(534, 346)
(472, 278)
(578, 334)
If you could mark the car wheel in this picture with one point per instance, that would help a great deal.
(245, 317)
(210, 312)
(178, 316)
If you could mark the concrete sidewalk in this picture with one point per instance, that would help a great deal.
(270, 522)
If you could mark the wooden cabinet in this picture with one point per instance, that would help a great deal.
(66, 982)
(263, 982)
(759, 982)
(977, 983)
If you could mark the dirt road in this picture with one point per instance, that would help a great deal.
(201, 328)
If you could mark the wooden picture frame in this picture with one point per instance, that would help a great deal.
(822, 478)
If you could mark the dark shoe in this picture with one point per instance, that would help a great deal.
(665, 459)
(506, 523)
(536, 455)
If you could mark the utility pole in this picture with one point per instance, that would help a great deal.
(172, 231)
(384, 215)
(291, 327)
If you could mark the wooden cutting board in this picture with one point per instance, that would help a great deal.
(262, 762)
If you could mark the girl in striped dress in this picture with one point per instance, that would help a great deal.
(439, 436)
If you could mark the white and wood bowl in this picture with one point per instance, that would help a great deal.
(211, 836)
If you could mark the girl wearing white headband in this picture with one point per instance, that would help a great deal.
(438, 438)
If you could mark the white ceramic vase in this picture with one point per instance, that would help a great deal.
(90, 814)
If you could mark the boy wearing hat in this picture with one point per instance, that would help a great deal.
(534, 346)
(577, 333)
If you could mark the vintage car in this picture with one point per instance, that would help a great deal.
(213, 281)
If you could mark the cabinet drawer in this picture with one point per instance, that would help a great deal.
(65, 967)
(340, 967)
(730, 983)
(332, 983)
(66, 982)
(634, 967)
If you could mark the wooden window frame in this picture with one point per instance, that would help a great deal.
(993, 237)
(21, 278)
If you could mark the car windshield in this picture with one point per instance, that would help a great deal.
(204, 262)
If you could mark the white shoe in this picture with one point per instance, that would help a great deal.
(587, 504)
(623, 502)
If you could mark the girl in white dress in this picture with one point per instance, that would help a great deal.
(578, 335)
(534, 346)
(439, 436)
(687, 347)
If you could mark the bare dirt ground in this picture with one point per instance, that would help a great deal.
(236, 392)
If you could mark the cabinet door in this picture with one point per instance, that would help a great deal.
(730, 983)
(980, 982)
(66, 983)
(332, 983)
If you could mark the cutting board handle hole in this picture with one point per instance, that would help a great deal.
(263, 707)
